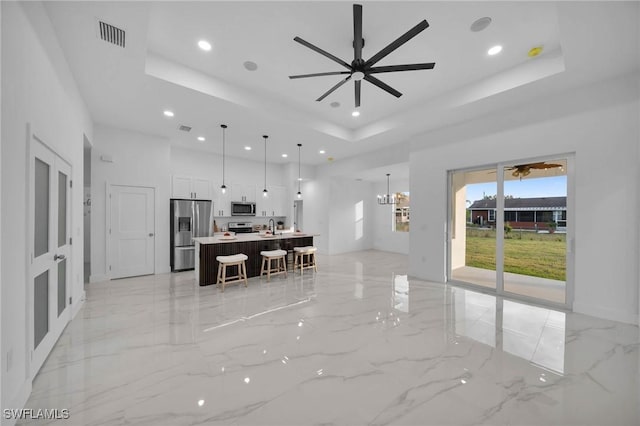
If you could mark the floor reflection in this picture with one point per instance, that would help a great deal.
(533, 333)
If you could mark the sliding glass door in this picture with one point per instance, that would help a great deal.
(510, 229)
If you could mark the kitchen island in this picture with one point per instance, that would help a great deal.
(251, 244)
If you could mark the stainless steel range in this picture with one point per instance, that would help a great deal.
(240, 227)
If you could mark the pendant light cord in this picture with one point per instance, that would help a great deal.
(299, 147)
(265, 162)
(224, 128)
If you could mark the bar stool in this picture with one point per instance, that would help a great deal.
(281, 264)
(233, 260)
(300, 253)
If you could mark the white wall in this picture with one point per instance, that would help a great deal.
(601, 126)
(138, 160)
(350, 215)
(383, 235)
(2, 365)
(37, 88)
(316, 200)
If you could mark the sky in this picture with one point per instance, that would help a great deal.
(527, 188)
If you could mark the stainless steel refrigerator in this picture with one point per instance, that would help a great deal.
(189, 219)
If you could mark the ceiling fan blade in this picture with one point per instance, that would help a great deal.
(383, 86)
(397, 43)
(357, 32)
(322, 52)
(358, 84)
(393, 68)
(319, 74)
(328, 92)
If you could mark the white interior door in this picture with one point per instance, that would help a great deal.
(132, 229)
(50, 218)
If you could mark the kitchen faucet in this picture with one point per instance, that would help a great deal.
(272, 226)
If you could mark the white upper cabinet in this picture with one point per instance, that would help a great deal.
(190, 187)
(201, 188)
(221, 202)
(181, 187)
(274, 204)
(242, 192)
(278, 201)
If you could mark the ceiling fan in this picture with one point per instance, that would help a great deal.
(359, 69)
(522, 170)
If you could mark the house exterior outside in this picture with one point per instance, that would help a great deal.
(523, 213)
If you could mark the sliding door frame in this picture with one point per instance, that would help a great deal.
(570, 236)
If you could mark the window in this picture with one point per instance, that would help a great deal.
(525, 216)
(401, 212)
(492, 215)
(510, 216)
(544, 216)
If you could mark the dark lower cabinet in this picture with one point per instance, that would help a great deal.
(209, 252)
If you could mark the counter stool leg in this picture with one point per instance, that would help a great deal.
(315, 265)
(284, 265)
(224, 277)
(244, 269)
(262, 267)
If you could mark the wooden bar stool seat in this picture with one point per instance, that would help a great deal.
(233, 260)
(267, 267)
(299, 258)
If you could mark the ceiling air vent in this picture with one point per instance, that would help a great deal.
(184, 128)
(111, 34)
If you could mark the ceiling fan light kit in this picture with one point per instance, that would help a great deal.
(359, 69)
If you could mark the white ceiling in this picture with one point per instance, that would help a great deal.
(162, 67)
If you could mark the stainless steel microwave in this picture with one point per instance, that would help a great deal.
(243, 208)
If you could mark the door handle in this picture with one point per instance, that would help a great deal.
(151, 234)
(59, 257)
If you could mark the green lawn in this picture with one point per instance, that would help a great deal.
(526, 253)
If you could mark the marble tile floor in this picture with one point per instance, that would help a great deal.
(357, 343)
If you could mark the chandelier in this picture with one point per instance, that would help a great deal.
(388, 198)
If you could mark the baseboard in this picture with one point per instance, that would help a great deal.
(77, 306)
(19, 401)
(98, 278)
(605, 313)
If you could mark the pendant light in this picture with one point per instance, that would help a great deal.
(223, 188)
(299, 178)
(387, 198)
(265, 193)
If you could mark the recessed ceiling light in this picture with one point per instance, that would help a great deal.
(495, 50)
(480, 24)
(247, 148)
(168, 113)
(334, 104)
(355, 114)
(204, 45)
(284, 155)
(250, 65)
(201, 138)
(321, 151)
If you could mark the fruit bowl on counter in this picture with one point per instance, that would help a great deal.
(298, 232)
(267, 234)
(226, 235)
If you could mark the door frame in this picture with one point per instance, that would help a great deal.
(570, 236)
(33, 137)
(107, 224)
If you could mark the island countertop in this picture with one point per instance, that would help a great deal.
(253, 236)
